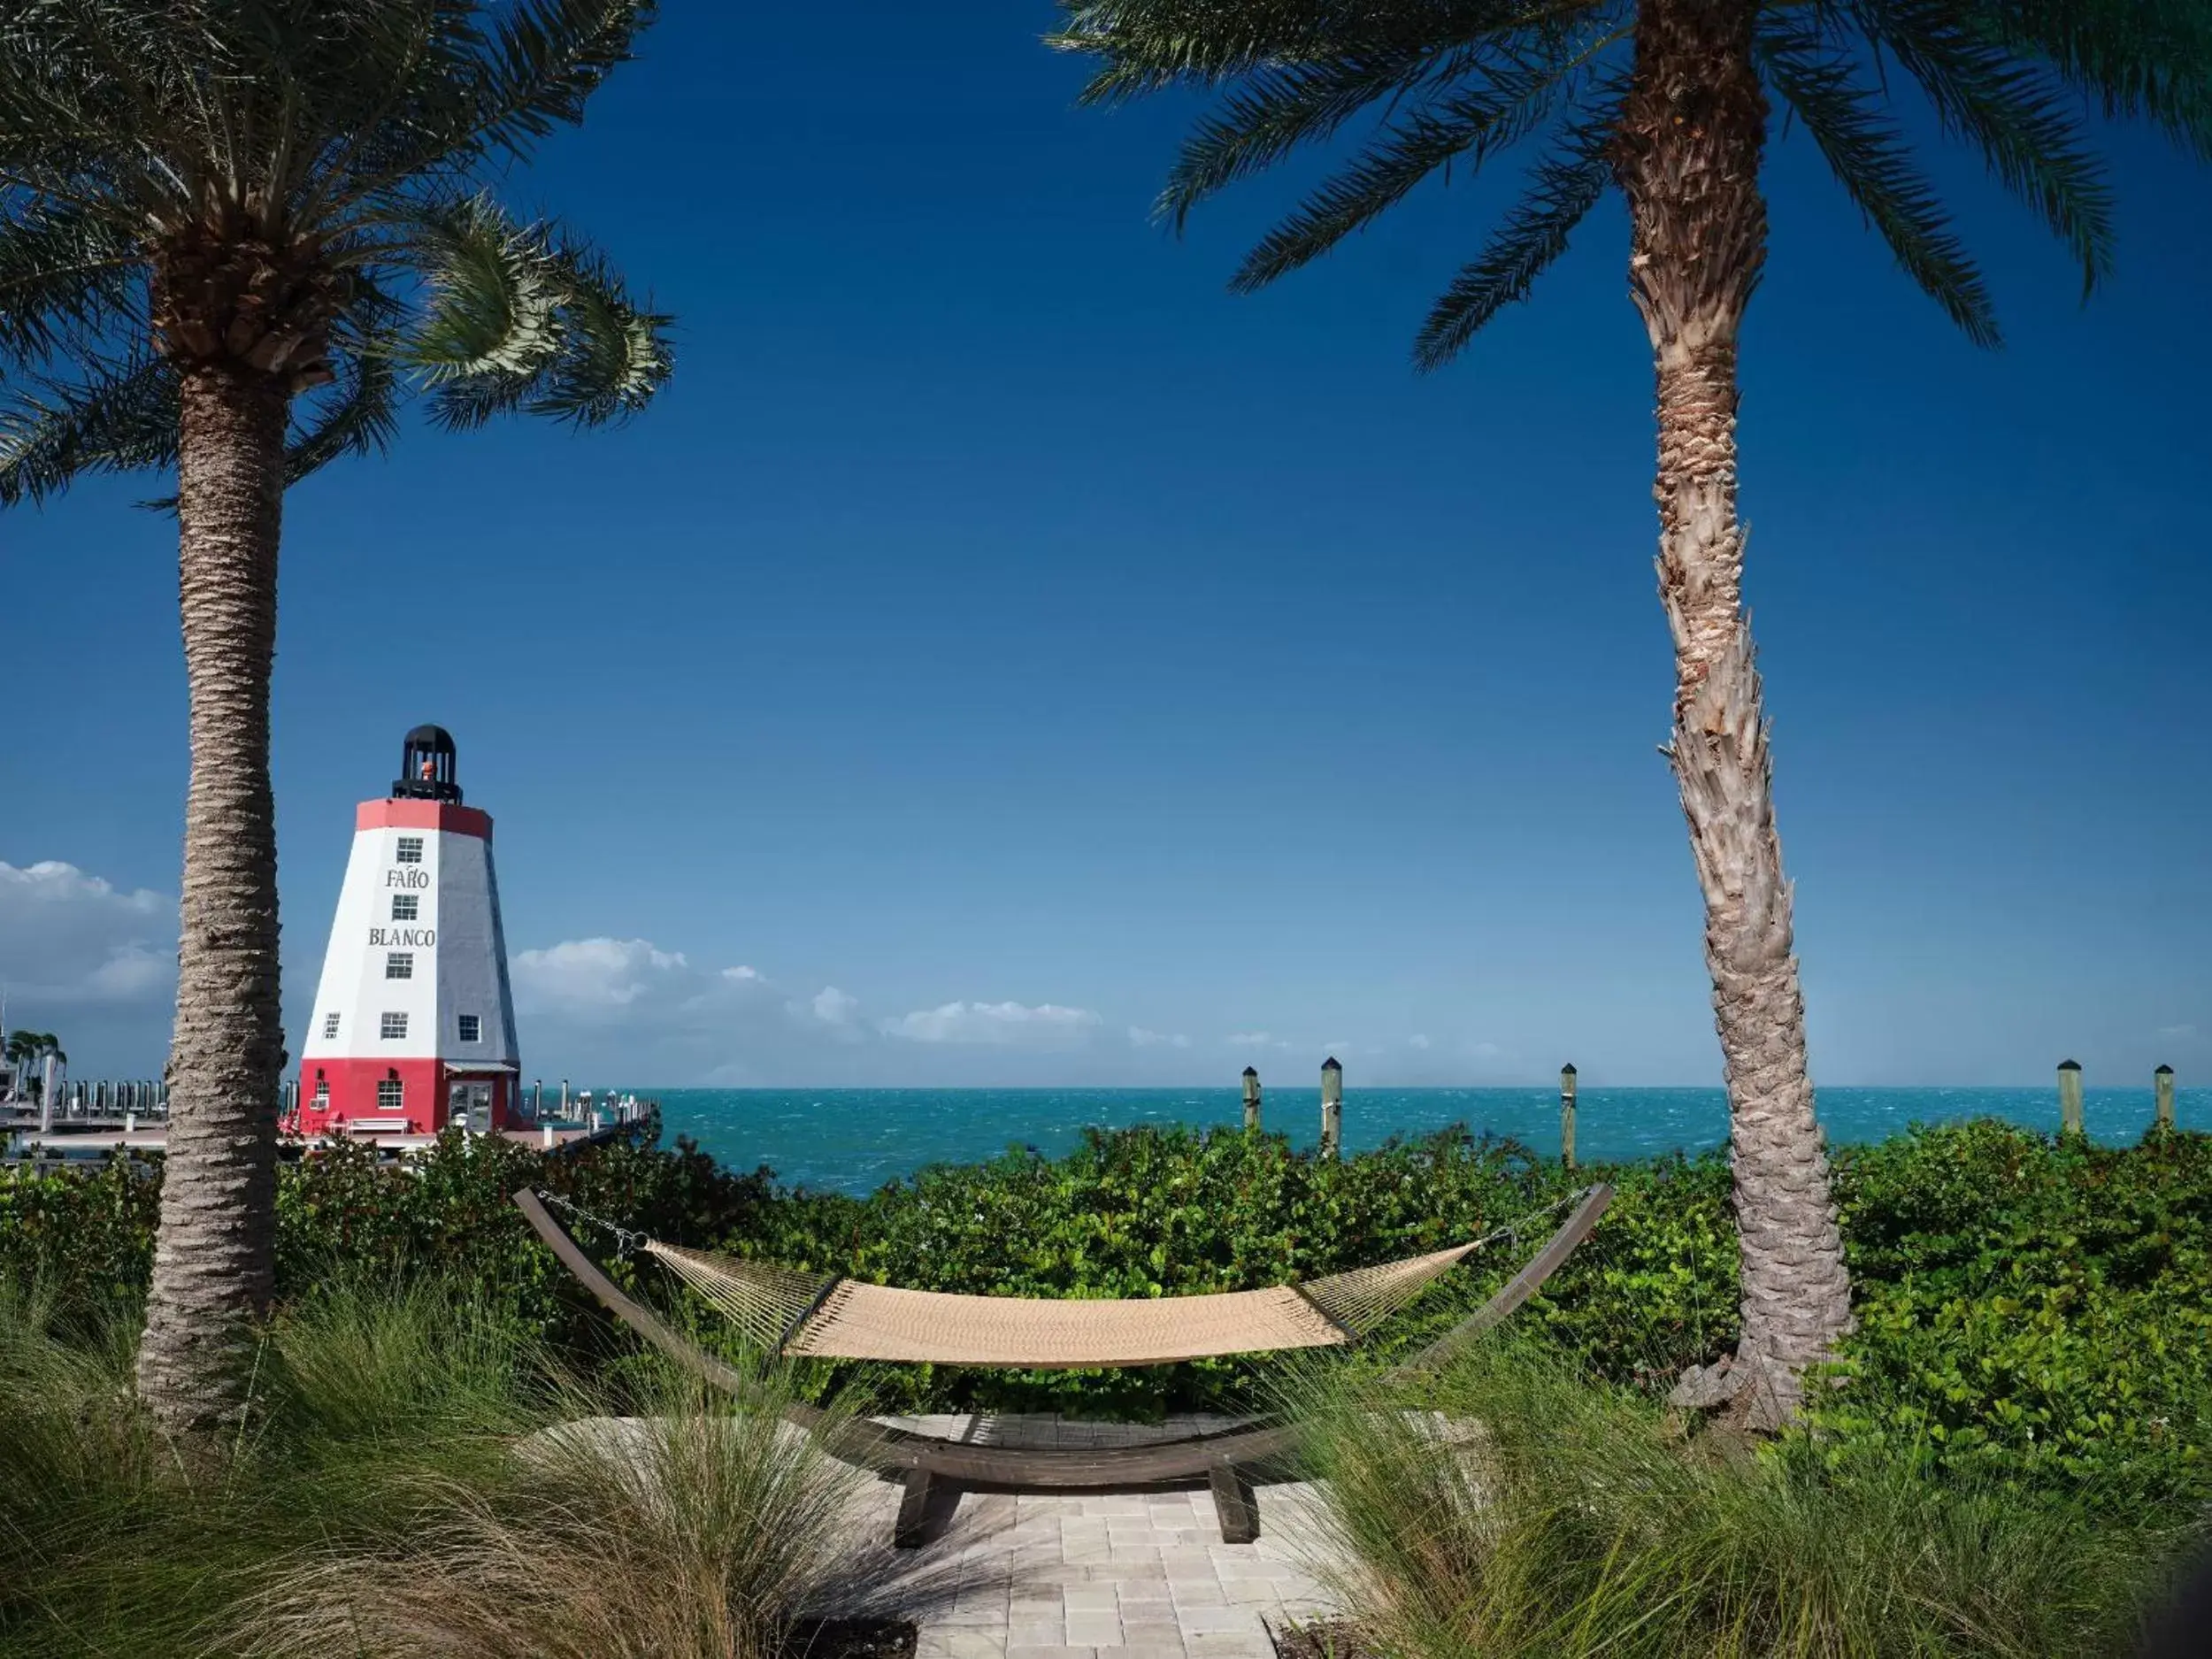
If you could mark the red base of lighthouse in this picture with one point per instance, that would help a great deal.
(341, 1096)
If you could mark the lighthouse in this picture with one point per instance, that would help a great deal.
(413, 1026)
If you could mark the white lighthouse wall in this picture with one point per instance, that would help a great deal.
(354, 986)
(472, 956)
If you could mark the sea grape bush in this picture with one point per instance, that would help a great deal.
(2029, 1310)
(2032, 1311)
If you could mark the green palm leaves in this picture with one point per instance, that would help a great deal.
(1452, 84)
(340, 140)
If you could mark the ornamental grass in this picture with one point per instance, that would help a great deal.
(418, 1477)
(1513, 1508)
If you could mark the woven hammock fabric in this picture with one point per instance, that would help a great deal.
(844, 1318)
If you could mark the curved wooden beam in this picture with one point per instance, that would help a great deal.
(1518, 1289)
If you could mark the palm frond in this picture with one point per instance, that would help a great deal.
(67, 275)
(2151, 58)
(548, 58)
(455, 93)
(358, 414)
(89, 110)
(2029, 134)
(1562, 188)
(522, 317)
(1508, 100)
(1280, 107)
(1146, 45)
(614, 354)
(1871, 158)
(118, 418)
(493, 289)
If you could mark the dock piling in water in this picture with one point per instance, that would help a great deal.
(2070, 1113)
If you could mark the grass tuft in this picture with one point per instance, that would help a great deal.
(693, 1532)
(1511, 1510)
(418, 1477)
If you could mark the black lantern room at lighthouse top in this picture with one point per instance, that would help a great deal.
(427, 767)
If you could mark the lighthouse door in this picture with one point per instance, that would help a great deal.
(469, 1105)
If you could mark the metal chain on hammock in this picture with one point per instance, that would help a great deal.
(626, 1240)
(1512, 1229)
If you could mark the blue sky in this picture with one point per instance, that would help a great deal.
(1034, 665)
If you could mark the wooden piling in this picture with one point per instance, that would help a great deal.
(2163, 1092)
(1567, 1114)
(1251, 1097)
(2070, 1115)
(1332, 1108)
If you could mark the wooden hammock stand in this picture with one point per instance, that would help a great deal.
(932, 1469)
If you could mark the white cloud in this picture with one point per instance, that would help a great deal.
(1487, 1050)
(74, 939)
(833, 1006)
(596, 975)
(1417, 1041)
(1249, 1039)
(1046, 1024)
(1140, 1038)
(2187, 1029)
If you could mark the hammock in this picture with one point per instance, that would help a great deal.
(1228, 1463)
(787, 1312)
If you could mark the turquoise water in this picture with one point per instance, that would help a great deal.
(854, 1139)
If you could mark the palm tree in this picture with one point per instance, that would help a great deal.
(27, 1048)
(237, 235)
(1669, 101)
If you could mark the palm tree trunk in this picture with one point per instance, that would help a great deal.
(214, 1257)
(1692, 130)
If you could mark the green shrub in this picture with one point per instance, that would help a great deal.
(2031, 1313)
(2028, 1312)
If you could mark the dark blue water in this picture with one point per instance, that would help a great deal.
(854, 1139)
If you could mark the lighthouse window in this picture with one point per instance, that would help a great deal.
(330, 1028)
(391, 1095)
(406, 907)
(391, 1028)
(410, 850)
(322, 1093)
(472, 1028)
(399, 964)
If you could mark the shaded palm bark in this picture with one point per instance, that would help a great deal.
(214, 1257)
(1687, 157)
(246, 325)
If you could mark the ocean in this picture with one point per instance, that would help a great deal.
(854, 1140)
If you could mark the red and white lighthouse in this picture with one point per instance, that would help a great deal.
(413, 1026)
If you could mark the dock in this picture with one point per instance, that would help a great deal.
(85, 1128)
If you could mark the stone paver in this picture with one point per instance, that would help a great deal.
(1091, 1576)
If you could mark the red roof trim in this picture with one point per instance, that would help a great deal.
(427, 815)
